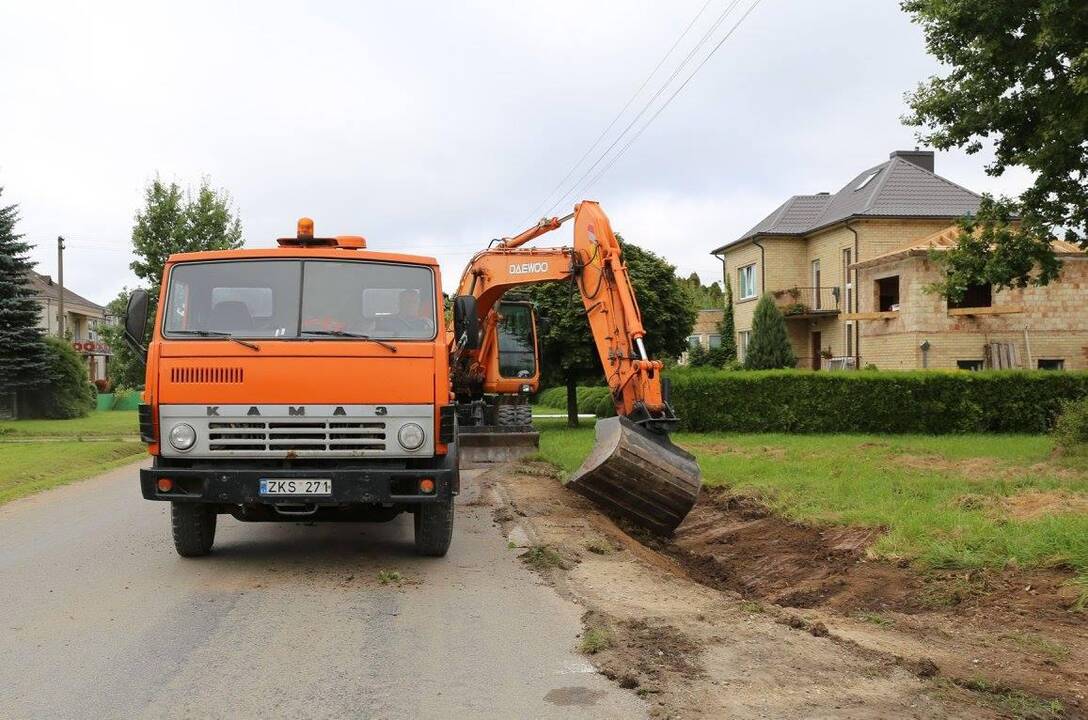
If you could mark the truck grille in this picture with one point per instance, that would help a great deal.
(293, 435)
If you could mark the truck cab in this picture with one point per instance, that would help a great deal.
(308, 381)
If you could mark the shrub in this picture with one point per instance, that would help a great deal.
(769, 348)
(929, 401)
(1071, 428)
(68, 392)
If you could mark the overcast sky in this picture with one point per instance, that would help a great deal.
(432, 127)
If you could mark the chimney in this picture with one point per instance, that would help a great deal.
(921, 158)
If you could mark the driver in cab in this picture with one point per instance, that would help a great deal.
(407, 321)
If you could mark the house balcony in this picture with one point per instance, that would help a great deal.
(87, 346)
(807, 303)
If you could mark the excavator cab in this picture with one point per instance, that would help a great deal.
(496, 421)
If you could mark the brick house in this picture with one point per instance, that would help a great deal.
(83, 319)
(705, 332)
(829, 261)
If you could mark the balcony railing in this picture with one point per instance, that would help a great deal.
(808, 302)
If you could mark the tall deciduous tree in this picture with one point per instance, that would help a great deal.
(23, 359)
(769, 348)
(174, 221)
(1018, 76)
(125, 369)
(568, 354)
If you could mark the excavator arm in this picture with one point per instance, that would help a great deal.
(634, 470)
(594, 265)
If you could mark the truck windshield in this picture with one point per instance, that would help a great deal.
(287, 299)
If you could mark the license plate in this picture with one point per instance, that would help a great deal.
(296, 487)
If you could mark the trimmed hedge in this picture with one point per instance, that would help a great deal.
(596, 400)
(928, 402)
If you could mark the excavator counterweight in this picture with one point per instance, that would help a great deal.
(634, 470)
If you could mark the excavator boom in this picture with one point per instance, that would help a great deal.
(634, 470)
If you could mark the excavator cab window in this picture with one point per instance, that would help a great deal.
(517, 340)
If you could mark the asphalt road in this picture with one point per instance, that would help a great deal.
(101, 619)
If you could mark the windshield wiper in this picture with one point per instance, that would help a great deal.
(345, 333)
(216, 333)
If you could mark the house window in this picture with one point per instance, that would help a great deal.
(715, 341)
(746, 281)
(887, 294)
(816, 285)
(848, 286)
(977, 296)
(849, 329)
(742, 344)
(1053, 364)
(693, 341)
(969, 364)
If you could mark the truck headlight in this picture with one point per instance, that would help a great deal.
(410, 436)
(182, 436)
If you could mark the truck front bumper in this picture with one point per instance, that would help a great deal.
(350, 486)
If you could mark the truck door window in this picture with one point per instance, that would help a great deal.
(517, 357)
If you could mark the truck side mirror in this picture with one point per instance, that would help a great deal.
(466, 323)
(136, 321)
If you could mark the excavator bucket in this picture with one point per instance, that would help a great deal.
(639, 475)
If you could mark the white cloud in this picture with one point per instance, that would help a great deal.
(437, 126)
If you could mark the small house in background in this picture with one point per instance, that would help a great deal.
(706, 332)
(83, 319)
(848, 270)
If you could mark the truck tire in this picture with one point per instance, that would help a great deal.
(194, 528)
(434, 527)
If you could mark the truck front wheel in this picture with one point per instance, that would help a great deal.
(194, 528)
(434, 527)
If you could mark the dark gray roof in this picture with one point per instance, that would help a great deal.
(44, 287)
(896, 188)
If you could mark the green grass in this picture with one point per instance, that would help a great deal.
(115, 423)
(27, 468)
(387, 577)
(595, 640)
(943, 500)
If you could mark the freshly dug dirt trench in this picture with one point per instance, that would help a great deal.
(743, 614)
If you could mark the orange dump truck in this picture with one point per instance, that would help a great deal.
(308, 381)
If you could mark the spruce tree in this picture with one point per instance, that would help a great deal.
(728, 327)
(769, 348)
(23, 361)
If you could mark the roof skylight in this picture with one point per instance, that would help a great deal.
(868, 179)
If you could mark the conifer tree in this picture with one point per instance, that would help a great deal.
(769, 348)
(23, 361)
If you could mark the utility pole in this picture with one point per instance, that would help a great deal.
(60, 286)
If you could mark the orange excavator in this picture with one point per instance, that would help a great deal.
(634, 470)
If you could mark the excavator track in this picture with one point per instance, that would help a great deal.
(639, 475)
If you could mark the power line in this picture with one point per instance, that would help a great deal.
(653, 117)
(649, 103)
(612, 124)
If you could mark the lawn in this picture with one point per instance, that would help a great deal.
(112, 423)
(40, 454)
(962, 501)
